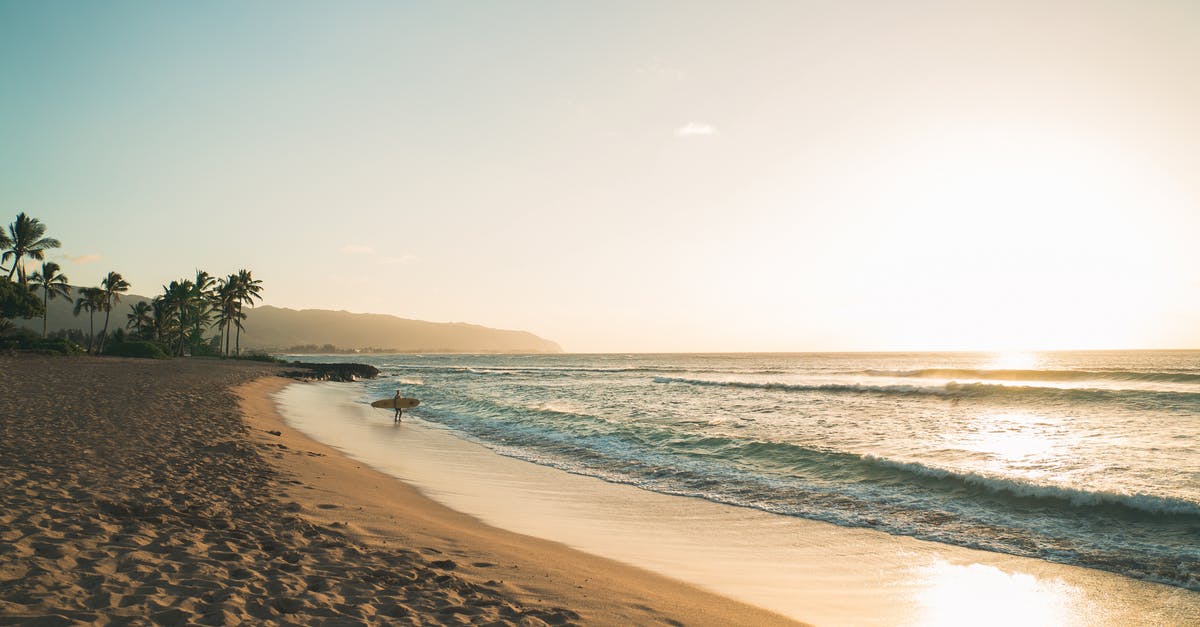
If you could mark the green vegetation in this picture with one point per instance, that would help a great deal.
(26, 237)
(57, 347)
(330, 349)
(188, 308)
(112, 286)
(27, 340)
(138, 348)
(174, 323)
(140, 318)
(261, 356)
(53, 284)
(18, 301)
(90, 299)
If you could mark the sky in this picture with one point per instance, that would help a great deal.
(632, 176)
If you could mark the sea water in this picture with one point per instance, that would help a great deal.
(1088, 458)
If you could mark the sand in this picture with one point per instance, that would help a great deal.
(135, 489)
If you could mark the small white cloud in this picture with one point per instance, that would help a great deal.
(85, 259)
(658, 69)
(693, 129)
(354, 249)
(401, 259)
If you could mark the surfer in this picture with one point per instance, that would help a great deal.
(399, 412)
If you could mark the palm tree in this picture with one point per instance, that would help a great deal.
(5, 242)
(225, 298)
(205, 282)
(140, 318)
(26, 238)
(180, 298)
(162, 319)
(90, 299)
(248, 289)
(204, 304)
(54, 284)
(113, 286)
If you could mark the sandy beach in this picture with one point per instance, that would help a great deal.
(172, 491)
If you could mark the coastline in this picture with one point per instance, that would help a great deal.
(808, 570)
(133, 490)
(383, 511)
(175, 491)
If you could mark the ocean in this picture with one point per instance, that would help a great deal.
(1083, 458)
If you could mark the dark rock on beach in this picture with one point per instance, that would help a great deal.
(331, 372)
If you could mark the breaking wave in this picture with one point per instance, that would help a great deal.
(954, 390)
(1064, 496)
(1038, 375)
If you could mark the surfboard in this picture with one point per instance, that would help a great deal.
(392, 403)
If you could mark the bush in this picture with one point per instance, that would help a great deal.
(205, 349)
(23, 335)
(260, 356)
(142, 349)
(38, 346)
(18, 301)
(56, 347)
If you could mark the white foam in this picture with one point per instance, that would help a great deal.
(809, 570)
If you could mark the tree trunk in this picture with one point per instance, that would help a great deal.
(237, 343)
(45, 309)
(91, 330)
(226, 340)
(182, 334)
(104, 333)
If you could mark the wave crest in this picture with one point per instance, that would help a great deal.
(954, 390)
(1038, 375)
(1077, 497)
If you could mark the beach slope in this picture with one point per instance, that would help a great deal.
(133, 488)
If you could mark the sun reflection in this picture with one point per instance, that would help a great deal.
(1012, 436)
(985, 595)
(1014, 360)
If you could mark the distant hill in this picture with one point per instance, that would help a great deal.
(278, 329)
(62, 318)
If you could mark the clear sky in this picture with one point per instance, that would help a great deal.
(633, 176)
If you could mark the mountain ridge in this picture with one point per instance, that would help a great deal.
(276, 329)
(281, 328)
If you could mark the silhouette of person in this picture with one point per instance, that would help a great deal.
(399, 412)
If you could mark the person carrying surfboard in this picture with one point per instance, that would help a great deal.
(399, 411)
(396, 402)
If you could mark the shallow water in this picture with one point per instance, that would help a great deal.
(1079, 458)
(810, 570)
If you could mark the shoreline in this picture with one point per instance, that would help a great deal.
(808, 570)
(176, 492)
(135, 490)
(383, 511)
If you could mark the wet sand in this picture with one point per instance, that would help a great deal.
(134, 489)
(806, 569)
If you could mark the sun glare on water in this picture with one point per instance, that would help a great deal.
(985, 595)
(1013, 439)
